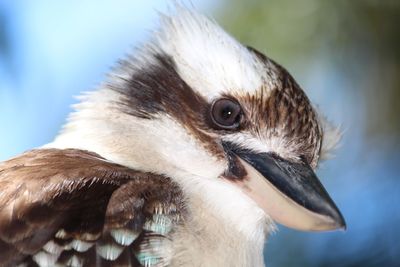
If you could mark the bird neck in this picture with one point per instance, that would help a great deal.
(207, 238)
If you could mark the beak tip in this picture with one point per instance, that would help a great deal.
(333, 218)
(331, 223)
(342, 226)
(340, 223)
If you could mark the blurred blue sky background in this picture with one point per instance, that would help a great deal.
(346, 56)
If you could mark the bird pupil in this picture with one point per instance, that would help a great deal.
(226, 113)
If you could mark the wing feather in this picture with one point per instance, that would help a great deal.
(74, 208)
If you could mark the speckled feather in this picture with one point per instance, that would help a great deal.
(88, 211)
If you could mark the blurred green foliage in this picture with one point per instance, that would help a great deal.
(360, 37)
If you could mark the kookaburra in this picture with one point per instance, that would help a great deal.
(185, 156)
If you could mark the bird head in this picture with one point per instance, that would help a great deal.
(200, 107)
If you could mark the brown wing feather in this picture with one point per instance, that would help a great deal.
(72, 207)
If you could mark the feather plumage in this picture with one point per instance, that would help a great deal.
(74, 208)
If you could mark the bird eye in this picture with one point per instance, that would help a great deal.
(226, 114)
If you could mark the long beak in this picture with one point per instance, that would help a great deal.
(289, 192)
